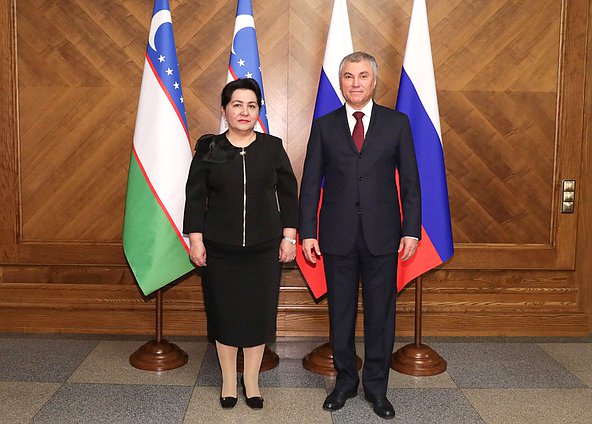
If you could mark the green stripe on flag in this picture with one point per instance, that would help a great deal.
(152, 247)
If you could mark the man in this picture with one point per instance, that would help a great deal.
(356, 149)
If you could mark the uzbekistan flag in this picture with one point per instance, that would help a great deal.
(244, 58)
(417, 98)
(339, 44)
(159, 165)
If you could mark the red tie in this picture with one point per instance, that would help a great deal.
(358, 133)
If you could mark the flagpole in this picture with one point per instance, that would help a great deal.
(158, 354)
(416, 358)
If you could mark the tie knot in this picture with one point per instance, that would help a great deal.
(358, 115)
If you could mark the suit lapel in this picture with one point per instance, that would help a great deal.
(342, 127)
(375, 124)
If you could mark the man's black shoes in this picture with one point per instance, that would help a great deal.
(336, 400)
(381, 406)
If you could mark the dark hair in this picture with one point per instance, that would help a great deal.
(244, 84)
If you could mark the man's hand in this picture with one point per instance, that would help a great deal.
(310, 249)
(408, 246)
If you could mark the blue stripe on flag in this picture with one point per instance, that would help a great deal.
(245, 62)
(164, 59)
(327, 98)
(430, 161)
(244, 8)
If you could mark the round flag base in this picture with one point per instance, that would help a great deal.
(320, 361)
(158, 356)
(418, 360)
(270, 360)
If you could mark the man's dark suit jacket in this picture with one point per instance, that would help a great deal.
(360, 184)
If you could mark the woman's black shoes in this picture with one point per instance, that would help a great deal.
(255, 402)
(227, 402)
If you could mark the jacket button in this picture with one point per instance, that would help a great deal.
(357, 204)
(360, 179)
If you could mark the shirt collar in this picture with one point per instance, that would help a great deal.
(367, 110)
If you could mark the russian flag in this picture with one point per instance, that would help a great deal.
(339, 44)
(244, 58)
(417, 99)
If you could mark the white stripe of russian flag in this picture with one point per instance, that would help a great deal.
(420, 67)
(339, 44)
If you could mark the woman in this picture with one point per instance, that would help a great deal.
(241, 217)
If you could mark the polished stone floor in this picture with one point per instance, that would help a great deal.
(87, 379)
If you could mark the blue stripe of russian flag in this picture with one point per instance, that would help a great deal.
(327, 99)
(432, 174)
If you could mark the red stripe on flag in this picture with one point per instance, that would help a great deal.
(179, 235)
(165, 91)
(234, 77)
(426, 257)
(314, 274)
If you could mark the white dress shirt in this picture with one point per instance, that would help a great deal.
(366, 110)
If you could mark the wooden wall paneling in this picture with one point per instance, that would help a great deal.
(510, 78)
(203, 34)
(504, 135)
(8, 133)
(308, 27)
(584, 190)
(94, 300)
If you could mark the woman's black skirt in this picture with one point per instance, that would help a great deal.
(241, 289)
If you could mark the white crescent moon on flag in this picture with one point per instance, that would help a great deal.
(160, 18)
(242, 21)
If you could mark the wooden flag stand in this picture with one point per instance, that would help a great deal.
(270, 360)
(320, 360)
(159, 354)
(416, 358)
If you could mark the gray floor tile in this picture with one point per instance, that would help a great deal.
(282, 405)
(209, 373)
(526, 406)
(398, 380)
(496, 365)
(290, 373)
(299, 349)
(442, 406)
(506, 380)
(41, 360)
(109, 363)
(404, 381)
(576, 357)
(20, 401)
(105, 403)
